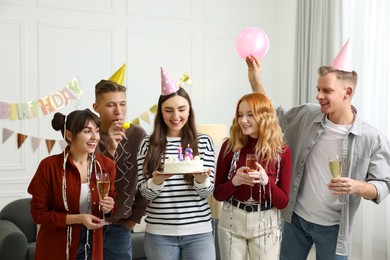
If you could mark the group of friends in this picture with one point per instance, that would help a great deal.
(291, 187)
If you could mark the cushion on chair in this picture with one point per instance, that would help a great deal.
(18, 213)
(31, 251)
(11, 235)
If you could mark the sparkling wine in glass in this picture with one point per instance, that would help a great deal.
(251, 160)
(103, 187)
(335, 168)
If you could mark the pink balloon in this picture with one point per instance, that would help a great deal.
(252, 41)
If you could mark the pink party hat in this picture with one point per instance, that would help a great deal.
(167, 85)
(343, 60)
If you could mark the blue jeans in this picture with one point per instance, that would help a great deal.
(298, 238)
(190, 247)
(82, 244)
(117, 243)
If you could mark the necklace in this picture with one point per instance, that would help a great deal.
(84, 168)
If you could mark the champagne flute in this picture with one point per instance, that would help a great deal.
(103, 186)
(251, 160)
(335, 168)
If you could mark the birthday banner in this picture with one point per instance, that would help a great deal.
(45, 105)
(53, 102)
(36, 141)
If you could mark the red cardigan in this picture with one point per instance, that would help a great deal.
(224, 187)
(47, 207)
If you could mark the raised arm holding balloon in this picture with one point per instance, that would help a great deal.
(254, 74)
(252, 44)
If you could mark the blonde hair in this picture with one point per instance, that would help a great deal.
(270, 141)
(344, 76)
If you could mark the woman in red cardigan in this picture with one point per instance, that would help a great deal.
(65, 200)
(252, 196)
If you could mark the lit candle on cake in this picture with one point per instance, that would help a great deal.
(188, 153)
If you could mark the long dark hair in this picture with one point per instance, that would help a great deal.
(74, 122)
(158, 139)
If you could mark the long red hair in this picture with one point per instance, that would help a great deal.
(270, 141)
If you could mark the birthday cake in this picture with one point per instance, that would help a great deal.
(174, 165)
(186, 164)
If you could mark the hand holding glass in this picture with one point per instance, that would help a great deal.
(251, 160)
(335, 168)
(103, 186)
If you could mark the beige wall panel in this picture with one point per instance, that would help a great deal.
(85, 5)
(11, 82)
(172, 51)
(248, 11)
(7, 197)
(168, 8)
(14, 2)
(67, 52)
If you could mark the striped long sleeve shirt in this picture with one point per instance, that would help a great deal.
(177, 208)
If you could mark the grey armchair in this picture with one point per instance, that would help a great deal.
(17, 231)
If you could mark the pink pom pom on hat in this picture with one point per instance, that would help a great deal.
(343, 60)
(167, 85)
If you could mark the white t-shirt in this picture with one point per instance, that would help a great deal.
(84, 198)
(315, 202)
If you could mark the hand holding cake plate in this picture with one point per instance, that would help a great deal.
(160, 177)
(201, 177)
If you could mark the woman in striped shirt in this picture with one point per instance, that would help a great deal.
(178, 222)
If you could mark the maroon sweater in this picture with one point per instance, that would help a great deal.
(224, 187)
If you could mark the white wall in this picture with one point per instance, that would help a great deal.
(46, 43)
